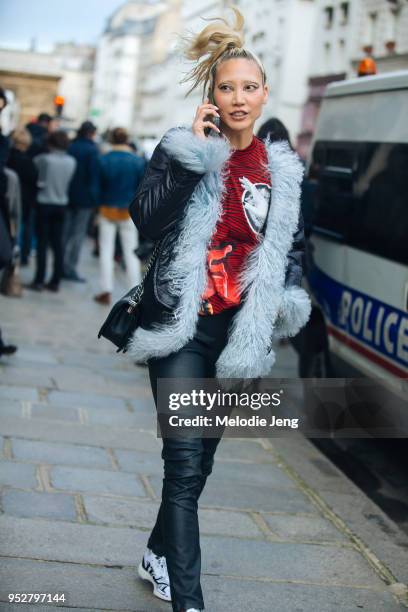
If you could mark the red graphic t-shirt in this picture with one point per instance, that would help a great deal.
(245, 206)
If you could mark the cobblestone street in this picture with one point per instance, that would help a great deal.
(81, 474)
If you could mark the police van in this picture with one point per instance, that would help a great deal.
(356, 209)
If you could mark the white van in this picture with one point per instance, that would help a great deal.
(357, 273)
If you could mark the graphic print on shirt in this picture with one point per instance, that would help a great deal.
(218, 279)
(245, 207)
(255, 202)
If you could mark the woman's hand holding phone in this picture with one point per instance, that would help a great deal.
(202, 123)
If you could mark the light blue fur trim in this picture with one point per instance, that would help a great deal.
(246, 353)
(187, 271)
(294, 312)
(197, 154)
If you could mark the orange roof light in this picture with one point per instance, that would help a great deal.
(366, 67)
(59, 100)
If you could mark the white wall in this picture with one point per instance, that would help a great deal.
(293, 73)
(336, 39)
(163, 104)
(115, 81)
(281, 33)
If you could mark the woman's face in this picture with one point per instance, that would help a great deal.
(239, 93)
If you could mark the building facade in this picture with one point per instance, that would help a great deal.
(117, 75)
(383, 32)
(281, 33)
(32, 79)
(76, 66)
(163, 100)
(346, 32)
(157, 74)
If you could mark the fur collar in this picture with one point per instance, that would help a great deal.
(269, 310)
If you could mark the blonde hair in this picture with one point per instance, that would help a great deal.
(219, 42)
(21, 138)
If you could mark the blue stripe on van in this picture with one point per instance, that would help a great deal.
(374, 323)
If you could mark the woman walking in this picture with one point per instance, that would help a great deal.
(226, 281)
(120, 173)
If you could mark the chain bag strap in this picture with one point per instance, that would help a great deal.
(135, 298)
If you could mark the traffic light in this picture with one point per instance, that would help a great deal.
(59, 105)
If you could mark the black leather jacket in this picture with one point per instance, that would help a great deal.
(157, 209)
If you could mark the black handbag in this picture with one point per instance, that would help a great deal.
(124, 317)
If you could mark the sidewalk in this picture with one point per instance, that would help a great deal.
(80, 479)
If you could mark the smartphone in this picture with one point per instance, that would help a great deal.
(215, 120)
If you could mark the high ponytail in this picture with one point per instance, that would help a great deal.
(218, 41)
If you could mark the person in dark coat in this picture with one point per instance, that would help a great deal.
(26, 170)
(5, 349)
(277, 131)
(83, 197)
(39, 131)
(55, 172)
(4, 142)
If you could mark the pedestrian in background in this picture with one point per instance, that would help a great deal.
(39, 131)
(277, 131)
(27, 172)
(5, 234)
(120, 174)
(10, 283)
(11, 211)
(4, 142)
(55, 171)
(83, 198)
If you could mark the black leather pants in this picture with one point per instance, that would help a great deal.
(187, 464)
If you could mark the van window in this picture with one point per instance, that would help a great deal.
(380, 223)
(333, 205)
(361, 196)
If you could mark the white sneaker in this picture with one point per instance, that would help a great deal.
(154, 569)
